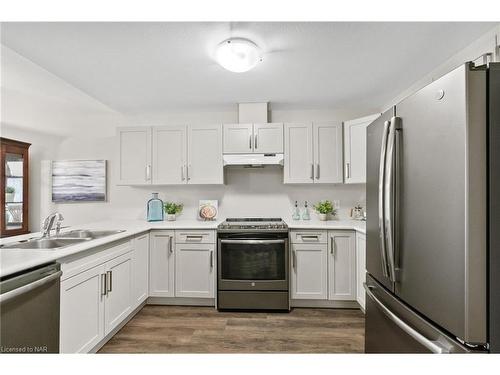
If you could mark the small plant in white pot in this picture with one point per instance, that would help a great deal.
(172, 209)
(10, 192)
(324, 209)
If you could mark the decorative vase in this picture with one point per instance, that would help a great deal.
(9, 197)
(155, 208)
(323, 217)
(171, 217)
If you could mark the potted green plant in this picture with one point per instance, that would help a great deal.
(172, 209)
(324, 208)
(9, 194)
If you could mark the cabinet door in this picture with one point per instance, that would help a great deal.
(327, 153)
(355, 149)
(140, 269)
(194, 270)
(360, 268)
(161, 264)
(82, 311)
(169, 155)
(298, 163)
(238, 138)
(205, 165)
(268, 138)
(341, 266)
(309, 271)
(118, 303)
(134, 155)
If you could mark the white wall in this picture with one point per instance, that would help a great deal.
(488, 43)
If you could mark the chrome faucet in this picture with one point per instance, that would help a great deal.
(48, 223)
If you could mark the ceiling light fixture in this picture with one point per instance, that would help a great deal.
(238, 55)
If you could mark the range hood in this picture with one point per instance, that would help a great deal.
(253, 160)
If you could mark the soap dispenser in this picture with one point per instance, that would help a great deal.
(305, 213)
(155, 208)
(296, 212)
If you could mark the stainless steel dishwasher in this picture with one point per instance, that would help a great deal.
(29, 311)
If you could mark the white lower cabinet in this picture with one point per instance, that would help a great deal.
(309, 271)
(194, 270)
(323, 265)
(161, 263)
(82, 311)
(342, 265)
(361, 267)
(140, 269)
(118, 301)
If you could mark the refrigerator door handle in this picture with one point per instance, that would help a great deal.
(433, 346)
(389, 197)
(381, 180)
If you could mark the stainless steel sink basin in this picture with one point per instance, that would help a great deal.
(44, 243)
(62, 240)
(88, 234)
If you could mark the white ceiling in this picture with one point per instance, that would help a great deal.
(146, 67)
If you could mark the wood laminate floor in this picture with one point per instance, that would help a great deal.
(182, 329)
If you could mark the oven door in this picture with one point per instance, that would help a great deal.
(252, 264)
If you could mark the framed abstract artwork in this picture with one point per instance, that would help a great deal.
(78, 181)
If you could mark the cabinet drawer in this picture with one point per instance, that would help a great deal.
(308, 236)
(195, 236)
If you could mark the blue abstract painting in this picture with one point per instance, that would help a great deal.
(78, 181)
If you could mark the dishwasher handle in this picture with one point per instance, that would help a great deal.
(29, 287)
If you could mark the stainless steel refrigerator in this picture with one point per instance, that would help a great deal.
(433, 192)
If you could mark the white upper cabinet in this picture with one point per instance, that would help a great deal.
(327, 152)
(313, 153)
(238, 138)
(249, 138)
(355, 149)
(268, 138)
(169, 155)
(298, 163)
(341, 265)
(134, 155)
(205, 164)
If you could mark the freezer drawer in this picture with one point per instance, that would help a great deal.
(392, 327)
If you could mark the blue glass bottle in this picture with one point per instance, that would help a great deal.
(155, 208)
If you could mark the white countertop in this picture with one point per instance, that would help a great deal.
(16, 260)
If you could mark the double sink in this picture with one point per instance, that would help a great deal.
(72, 237)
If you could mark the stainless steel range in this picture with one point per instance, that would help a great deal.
(253, 268)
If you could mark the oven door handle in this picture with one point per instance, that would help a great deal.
(253, 242)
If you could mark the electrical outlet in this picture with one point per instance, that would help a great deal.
(336, 204)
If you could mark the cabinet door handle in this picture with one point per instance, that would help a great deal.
(194, 238)
(348, 170)
(332, 246)
(104, 287)
(309, 238)
(294, 259)
(148, 172)
(211, 259)
(317, 171)
(187, 171)
(182, 173)
(250, 142)
(170, 240)
(312, 171)
(255, 142)
(109, 275)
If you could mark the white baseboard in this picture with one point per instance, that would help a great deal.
(181, 301)
(324, 304)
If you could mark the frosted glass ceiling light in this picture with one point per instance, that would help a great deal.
(238, 55)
